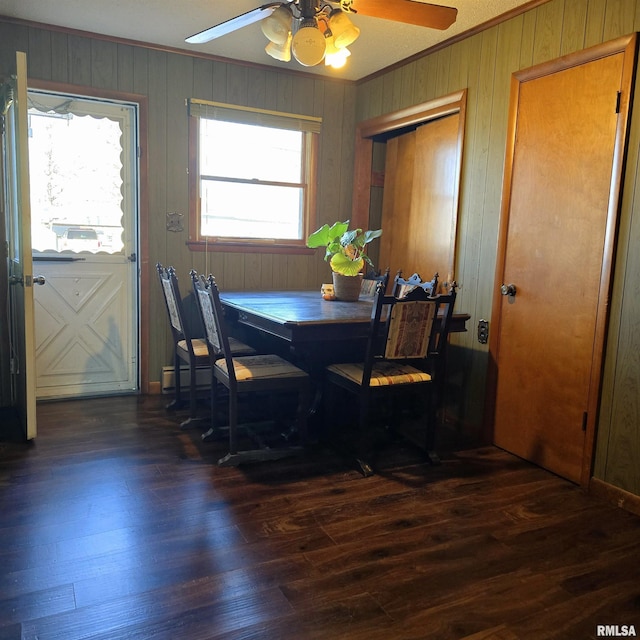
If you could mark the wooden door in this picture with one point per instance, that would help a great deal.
(568, 123)
(15, 196)
(396, 203)
(420, 200)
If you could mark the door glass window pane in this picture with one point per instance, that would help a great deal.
(75, 165)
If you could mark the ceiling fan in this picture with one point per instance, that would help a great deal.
(317, 30)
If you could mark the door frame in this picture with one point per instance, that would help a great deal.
(143, 205)
(628, 46)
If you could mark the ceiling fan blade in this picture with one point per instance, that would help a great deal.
(233, 24)
(419, 13)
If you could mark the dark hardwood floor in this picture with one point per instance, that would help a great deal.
(116, 524)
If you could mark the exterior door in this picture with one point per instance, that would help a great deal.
(560, 202)
(15, 173)
(84, 194)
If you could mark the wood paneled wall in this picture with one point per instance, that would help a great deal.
(166, 79)
(483, 63)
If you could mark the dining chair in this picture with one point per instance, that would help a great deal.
(186, 349)
(370, 282)
(404, 353)
(262, 376)
(414, 286)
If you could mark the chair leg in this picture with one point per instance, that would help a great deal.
(212, 433)
(229, 459)
(192, 420)
(176, 403)
(264, 452)
(430, 430)
(364, 451)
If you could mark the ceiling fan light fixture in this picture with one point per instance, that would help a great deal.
(308, 44)
(280, 52)
(277, 26)
(313, 21)
(335, 57)
(343, 30)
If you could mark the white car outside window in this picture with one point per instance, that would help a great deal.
(80, 239)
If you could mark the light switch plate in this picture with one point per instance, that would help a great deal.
(483, 331)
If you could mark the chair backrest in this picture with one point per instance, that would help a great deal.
(370, 282)
(208, 298)
(414, 287)
(406, 329)
(173, 302)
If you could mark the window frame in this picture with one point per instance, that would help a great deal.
(245, 115)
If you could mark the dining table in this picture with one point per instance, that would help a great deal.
(313, 332)
(321, 330)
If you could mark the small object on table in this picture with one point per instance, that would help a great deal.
(328, 292)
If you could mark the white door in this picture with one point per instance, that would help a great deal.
(84, 194)
(15, 195)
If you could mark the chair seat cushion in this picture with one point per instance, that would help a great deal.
(383, 374)
(201, 350)
(261, 368)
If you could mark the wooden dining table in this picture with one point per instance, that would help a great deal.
(315, 332)
(310, 325)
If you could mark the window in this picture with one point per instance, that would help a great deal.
(252, 177)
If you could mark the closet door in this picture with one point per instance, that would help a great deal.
(419, 207)
(560, 203)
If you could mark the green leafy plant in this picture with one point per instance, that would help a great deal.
(345, 249)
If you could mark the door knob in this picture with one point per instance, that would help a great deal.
(508, 289)
(27, 281)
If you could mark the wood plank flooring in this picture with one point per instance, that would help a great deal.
(116, 524)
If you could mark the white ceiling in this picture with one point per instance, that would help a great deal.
(169, 22)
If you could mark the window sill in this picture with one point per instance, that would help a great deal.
(249, 247)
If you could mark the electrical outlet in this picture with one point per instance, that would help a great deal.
(483, 331)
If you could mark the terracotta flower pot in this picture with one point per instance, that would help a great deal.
(347, 288)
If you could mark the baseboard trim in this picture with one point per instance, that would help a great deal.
(619, 497)
(155, 388)
(167, 383)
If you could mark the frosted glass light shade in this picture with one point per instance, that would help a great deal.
(277, 26)
(308, 44)
(280, 51)
(343, 30)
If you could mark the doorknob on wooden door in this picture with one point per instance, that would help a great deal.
(508, 290)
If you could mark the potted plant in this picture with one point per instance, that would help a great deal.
(345, 250)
